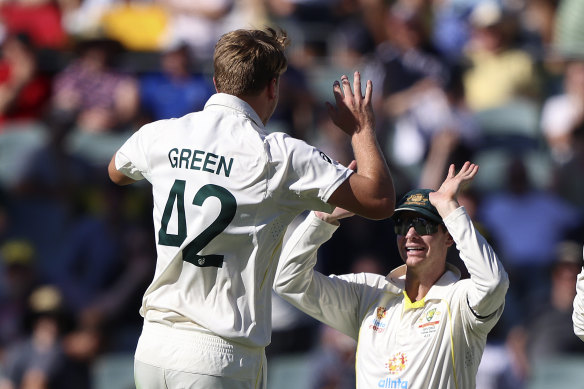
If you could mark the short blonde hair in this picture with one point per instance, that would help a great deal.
(245, 61)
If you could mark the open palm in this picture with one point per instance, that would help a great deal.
(450, 188)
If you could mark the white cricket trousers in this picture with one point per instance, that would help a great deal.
(152, 377)
(173, 358)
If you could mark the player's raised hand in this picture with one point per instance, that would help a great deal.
(445, 198)
(352, 111)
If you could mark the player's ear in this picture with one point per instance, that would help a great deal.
(273, 88)
(215, 84)
(449, 240)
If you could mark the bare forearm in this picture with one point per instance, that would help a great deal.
(370, 160)
(372, 168)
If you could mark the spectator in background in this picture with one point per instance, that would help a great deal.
(45, 189)
(89, 255)
(332, 364)
(437, 129)
(526, 226)
(565, 183)
(568, 28)
(548, 331)
(538, 23)
(499, 71)
(81, 19)
(94, 92)
(40, 19)
(138, 25)
(562, 113)
(177, 89)
(500, 368)
(407, 64)
(111, 311)
(40, 361)
(450, 28)
(24, 90)
(198, 23)
(19, 278)
(51, 173)
(411, 73)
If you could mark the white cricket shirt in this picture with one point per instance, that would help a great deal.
(434, 343)
(224, 192)
(578, 314)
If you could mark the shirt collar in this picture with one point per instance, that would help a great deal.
(438, 291)
(237, 104)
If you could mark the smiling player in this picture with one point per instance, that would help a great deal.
(421, 326)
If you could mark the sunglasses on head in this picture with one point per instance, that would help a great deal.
(421, 225)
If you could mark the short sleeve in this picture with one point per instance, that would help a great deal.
(311, 175)
(131, 158)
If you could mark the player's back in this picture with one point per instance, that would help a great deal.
(224, 192)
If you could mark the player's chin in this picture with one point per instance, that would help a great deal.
(414, 259)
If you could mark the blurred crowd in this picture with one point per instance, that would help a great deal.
(497, 82)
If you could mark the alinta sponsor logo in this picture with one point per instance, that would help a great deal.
(397, 383)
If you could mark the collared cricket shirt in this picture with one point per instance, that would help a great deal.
(224, 192)
(434, 343)
(578, 313)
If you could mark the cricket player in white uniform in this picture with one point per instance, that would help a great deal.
(225, 190)
(421, 327)
(578, 314)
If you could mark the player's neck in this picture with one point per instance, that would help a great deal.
(418, 285)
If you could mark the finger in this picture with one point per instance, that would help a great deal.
(368, 92)
(451, 170)
(475, 170)
(346, 86)
(357, 85)
(470, 172)
(337, 92)
(465, 167)
(353, 165)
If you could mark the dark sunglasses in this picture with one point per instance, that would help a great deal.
(421, 226)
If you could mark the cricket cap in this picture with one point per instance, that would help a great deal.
(418, 200)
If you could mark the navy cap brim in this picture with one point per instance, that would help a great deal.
(421, 211)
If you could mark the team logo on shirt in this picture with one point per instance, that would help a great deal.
(397, 363)
(325, 157)
(427, 324)
(430, 314)
(380, 313)
(378, 325)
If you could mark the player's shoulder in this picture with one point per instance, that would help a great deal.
(279, 137)
(286, 143)
(372, 280)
